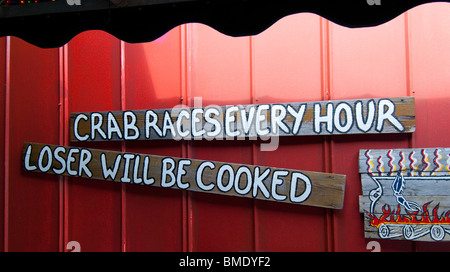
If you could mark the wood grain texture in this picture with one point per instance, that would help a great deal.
(406, 194)
(366, 116)
(418, 185)
(394, 160)
(259, 182)
(440, 202)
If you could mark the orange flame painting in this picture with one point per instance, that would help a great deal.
(414, 225)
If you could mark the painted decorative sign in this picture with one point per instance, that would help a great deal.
(406, 193)
(385, 115)
(259, 182)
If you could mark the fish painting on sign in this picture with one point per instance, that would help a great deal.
(406, 194)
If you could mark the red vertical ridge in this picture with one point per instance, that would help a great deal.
(2, 135)
(328, 142)
(183, 100)
(123, 192)
(253, 100)
(62, 116)
(186, 147)
(409, 90)
(7, 142)
(66, 142)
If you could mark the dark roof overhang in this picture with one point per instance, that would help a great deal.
(54, 23)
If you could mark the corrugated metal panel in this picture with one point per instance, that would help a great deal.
(152, 72)
(430, 81)
(364, 63)
(219, 73)
(302, 57)
(31, 201)
(287, 67)
(94, 210)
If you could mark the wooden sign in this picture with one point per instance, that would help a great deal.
(259, 182)
(385, 115)
(406, 193)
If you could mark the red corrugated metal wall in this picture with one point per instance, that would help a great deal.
(301, 58)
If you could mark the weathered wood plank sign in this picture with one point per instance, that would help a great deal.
(406, 193)
(259, 182)
(385, 115)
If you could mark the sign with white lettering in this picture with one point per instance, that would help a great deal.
(258, 182)
(385, 115)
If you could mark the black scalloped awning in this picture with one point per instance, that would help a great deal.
(53, 23)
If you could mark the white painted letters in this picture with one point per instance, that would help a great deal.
(248, 121)
(180, 173)
(386, 109)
